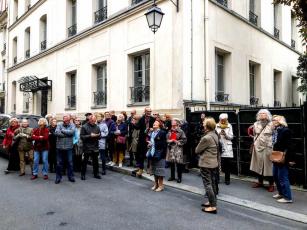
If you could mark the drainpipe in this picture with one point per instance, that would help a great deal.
(206, 52)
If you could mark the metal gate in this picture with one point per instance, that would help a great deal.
(241, 120)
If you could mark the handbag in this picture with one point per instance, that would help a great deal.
(121, 140)
(278, 157)
(251, 148)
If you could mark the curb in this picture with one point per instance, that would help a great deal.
(294, 216)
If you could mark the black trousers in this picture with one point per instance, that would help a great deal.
(13, 164)
(226, 168)
(179, 167)
(110, 149)
(77, 158)
(94, 156)
(52, 159)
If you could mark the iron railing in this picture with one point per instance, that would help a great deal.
(134, 2)
(276, 33)
(15, 60)
(254, 100)
(27, 53)
(253, 18)
(277, 104)
(3, 52)
(293, 43)
(221, 97)
(140, 94)
(223, 2)
(100, 98)
(101, 14)
(72, 30)
(44, 45)
(71, 102)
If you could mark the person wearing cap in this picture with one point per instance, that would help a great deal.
(87, 115)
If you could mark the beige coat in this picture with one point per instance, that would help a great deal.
(260, 162)
(207, 149)
(226, 140)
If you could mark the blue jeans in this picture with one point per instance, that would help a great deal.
(63, 154)
(281, 178)
(36, 162)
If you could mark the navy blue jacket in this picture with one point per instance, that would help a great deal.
(283, 143)
(160, 146)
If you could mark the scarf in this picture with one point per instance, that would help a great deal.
(224, 126)
(275, 134)
(152, 149)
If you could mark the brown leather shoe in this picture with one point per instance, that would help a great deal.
(271, 188)
(257, 185)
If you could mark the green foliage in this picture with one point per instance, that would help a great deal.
(299, 9)
(302, 73)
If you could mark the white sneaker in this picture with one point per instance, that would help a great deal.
(120, 165)
(277, 196)
(109, 163)
(283, 200)
(112, 164)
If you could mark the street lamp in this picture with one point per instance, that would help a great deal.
(154, 16)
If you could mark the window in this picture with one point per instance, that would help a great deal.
(220, 95)
(277, 88)
(27, 42)
(277, 20)
(134, 2)
(26, 100)
(140, 91)
(223, 2)
(253, 17)
(72, 29)
(293, 31)
(15, 10)
(102, 13)
(71, 90)
(15, 50)
(295, 95)
(43, 32)
(254, 70)
(100, 95)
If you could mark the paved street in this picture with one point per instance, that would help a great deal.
(116, 202)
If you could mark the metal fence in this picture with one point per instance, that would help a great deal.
(241, 119)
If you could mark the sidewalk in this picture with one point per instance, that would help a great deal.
(241, 193)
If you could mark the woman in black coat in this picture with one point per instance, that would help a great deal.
(156, 153)
(281, 142)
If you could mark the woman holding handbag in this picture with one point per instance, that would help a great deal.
(281, 143)
(120, 141)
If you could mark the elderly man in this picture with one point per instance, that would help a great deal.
(65, 132)
(90, 135)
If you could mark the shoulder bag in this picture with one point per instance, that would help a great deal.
(278, 157)
(251, 148)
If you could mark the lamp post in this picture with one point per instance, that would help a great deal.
(154, 16)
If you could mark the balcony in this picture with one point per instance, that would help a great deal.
(101, 14)
(43, 45)
(15, 60)
(27, 54)
(223, 2)
(221, 97)
(71, 102)
(293, 43)
(140, 94)
(100, 98)
(276, 33)
(277, 104)
(253, 18)
(3, 52)
(72, 30)
(134, 2)
(254, 101)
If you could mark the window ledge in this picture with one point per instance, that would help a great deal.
(67, 109)
(138, 104)
(98, 107)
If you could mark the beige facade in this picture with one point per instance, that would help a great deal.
(119, 64)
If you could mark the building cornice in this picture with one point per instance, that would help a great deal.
(3, 15)
(233, 13)
(113, 19)
(26, 14)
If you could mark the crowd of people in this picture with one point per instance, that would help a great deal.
(158, 140)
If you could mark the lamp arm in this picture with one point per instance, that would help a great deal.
(176, 4)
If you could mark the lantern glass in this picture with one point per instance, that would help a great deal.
(154, 18)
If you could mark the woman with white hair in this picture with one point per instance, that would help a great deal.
(281, 143)
(262, 149)
(224, 130)
(11, 147)
(40, 136)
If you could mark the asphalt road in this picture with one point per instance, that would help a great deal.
(116, 202)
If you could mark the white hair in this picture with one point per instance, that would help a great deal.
(264, 111)
(223, 116)
(42, 120)
(24, 120)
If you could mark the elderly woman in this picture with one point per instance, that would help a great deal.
(52, 144)
(134, 138)
(224, 130)
(102, 141)
(25, 148)
(40, 136)
(175, 139)
(260, 163)
(207, 149)
(120, 140)
(156, 154)
(281, 142)
(13, 164)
